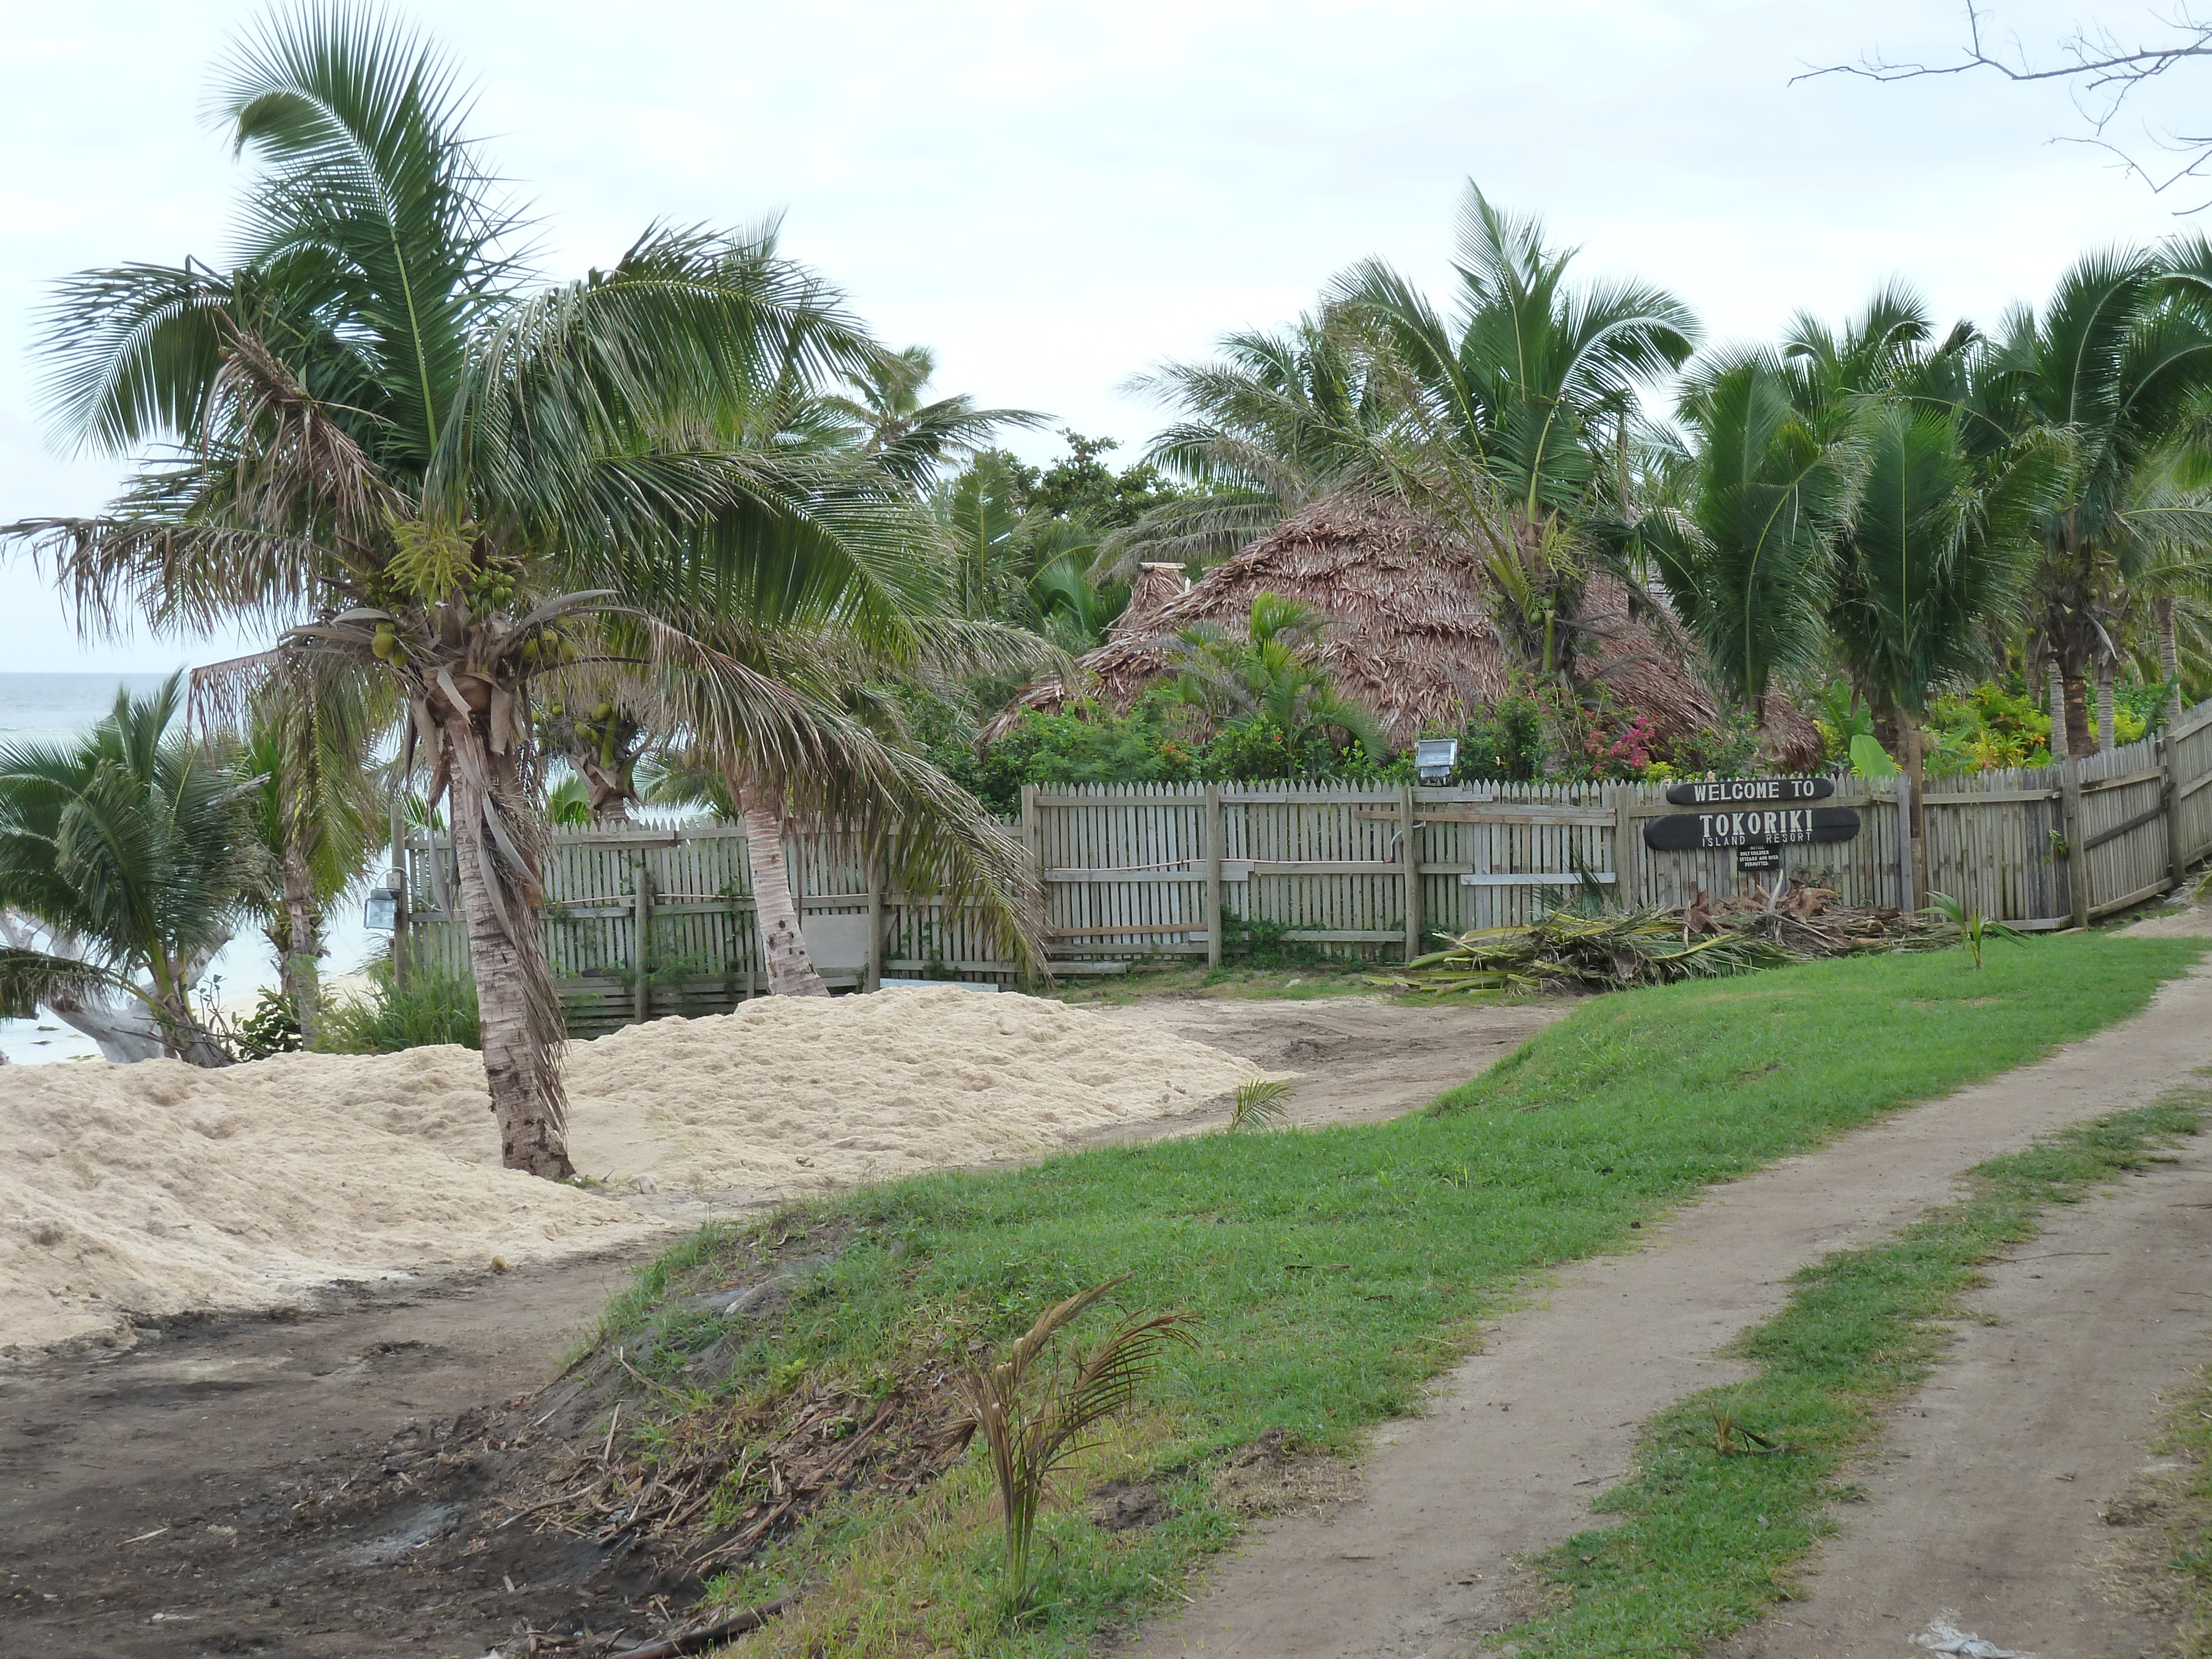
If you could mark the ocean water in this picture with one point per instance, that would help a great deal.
(54, 707)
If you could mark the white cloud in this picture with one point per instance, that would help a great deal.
(1058, 197)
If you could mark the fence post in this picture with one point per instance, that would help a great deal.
(1033, 844)
(2070, 819)
(398, 880)
(1904, 859)
(1409, 830)
(641, 943)
(1213, 875)
(2169, 797)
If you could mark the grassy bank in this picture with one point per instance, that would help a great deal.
(1734, 1484)
(1333, 1272)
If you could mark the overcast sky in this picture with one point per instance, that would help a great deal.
(1057, 196)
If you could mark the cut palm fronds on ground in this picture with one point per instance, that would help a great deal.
(1707, 938)
(1603, 953)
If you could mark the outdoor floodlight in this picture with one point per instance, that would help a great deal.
(1434, 758)
(381, 913)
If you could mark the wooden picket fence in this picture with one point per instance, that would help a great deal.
(1143, 872)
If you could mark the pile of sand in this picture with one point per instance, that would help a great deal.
(158, 1188)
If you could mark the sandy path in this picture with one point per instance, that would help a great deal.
(1360, 1058)
(1524, 1434)
(1988, 1494)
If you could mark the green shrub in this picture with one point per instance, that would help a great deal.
(434, 1006)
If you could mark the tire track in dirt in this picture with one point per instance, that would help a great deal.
(1996, 1493)
(1524, 1434)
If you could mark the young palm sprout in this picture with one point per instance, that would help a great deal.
(1034, 1423)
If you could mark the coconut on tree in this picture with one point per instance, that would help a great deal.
(401, 449)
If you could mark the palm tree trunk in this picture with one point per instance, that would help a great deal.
(2105, 731)
(791, 970)
(2080, 736)
(517, 1012)
(302, 942)
(2060, 748)
(1912, 739)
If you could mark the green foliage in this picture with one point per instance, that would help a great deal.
(1260, 1104)
(1988, 727)
(1502, 742)
(1086, 743)
(434, 1006)
(1032, 1419)
(273, 1028)
(1081, 488)
(136, 841)
(1869, 759)
(1255, 750)
(1974, 928)
(1706, 1535)
(1427, 1223)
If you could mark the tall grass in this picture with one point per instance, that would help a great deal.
(434, 1006)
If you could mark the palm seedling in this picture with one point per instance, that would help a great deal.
(1034, 1419)
(1260, 1104)
(1973, 927)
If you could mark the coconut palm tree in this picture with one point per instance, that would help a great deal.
(1749, 562)
(1277, 420)
(309, 744)
(1522, 400)
(881, 412)
(126, 857)
(443, 472)
(2119, 363)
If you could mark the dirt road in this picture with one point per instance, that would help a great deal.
(1525, 1433)
(1999, 1495)
(156, 1502)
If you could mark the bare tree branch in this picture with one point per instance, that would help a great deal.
(2100, 70)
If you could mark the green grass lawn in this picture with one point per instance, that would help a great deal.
(1333, 1272)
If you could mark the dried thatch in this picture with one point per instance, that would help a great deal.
(1408, 632)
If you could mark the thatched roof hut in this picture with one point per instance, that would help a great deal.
(1409, 629)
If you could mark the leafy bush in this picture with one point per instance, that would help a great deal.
(1502, 742)
(1088, 743)
(434, 1006)
(273, 1028)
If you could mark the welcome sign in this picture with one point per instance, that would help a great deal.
(1733, 792)
(1785, 826)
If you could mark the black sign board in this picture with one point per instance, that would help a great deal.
(1761, 857)
(1749, 791)
(1773, 826)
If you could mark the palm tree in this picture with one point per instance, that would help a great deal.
(601, 745)
(132, 849)
(308, 745)
(1270, 673)
(1521, 401)
(473, 484)
(882, 412)
(2118, 366)
(1749, 563)
(1276, 421)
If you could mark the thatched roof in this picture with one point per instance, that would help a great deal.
(1409, 629)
